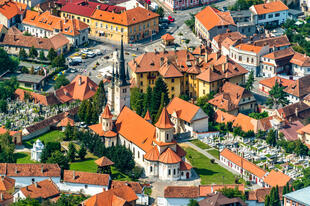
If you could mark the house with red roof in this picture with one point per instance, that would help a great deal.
(274, 13)
(47, 25)
(266, 85)
(11, 12)
(300, 64)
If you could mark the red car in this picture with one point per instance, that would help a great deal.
(170, 19)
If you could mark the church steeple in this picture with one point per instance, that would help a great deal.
(127, 74)
(122, 74)
(113, 76)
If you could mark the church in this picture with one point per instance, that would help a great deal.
(153, 146)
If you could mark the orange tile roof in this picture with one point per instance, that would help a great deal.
(167, 37)
(184, 109)
(29, 170)
(204, 190)
(43, 189)
(10, 9)
(104, 161)
(97, 128)
(6, 183)
(77, 91)
(106, 113)
(86, 178)
(246, 123)
(184, 166)
(5, 197)
(300, 59)
(169, 157)
(233, 36)
(247, 165)
(147, 116)
(129, 17)
(181, 192)
(223, 117)
(180, 151)
(211, 17)
(47, 100)
(164, 121)
(280, 54)
(260, 194)
(215, 73)
(270, 7)
(276, 178)
(300, 88)
(135, 129)
(118, 196)
(64, 122)
(152, 155)
(3, 131)
(279, 41)
(47, 21)
(249, 48)
(270, 82)
(136, 186)
(305, 129)
(169, 70)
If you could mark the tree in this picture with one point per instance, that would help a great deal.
(51, 54)
(231, 193)
(136, 100)
(61, 81)
(59, 158)
(59, 61)
(190, 22)
(122, 157)
(3, 106)
(82, 110)
(267, 200)
(70, 200)
(271, 138)
(160, 11)
(68, 132)
(202, 102)
(147, 99)
(49, 148)
(71, 152)
(100, 99)
(7, 62)
(27, 202)
(22, 54)
(259, 115)
(250, 81)
(277, 97)
(7, 149)
(193, 202)
(82, 152)
(42, 56)
(159, 88)
(162, 105)
(245, 4)
(33, 53)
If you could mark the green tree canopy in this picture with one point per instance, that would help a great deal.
(250, 81)
(33, 53)
(59, 158)
(51, 54)
(193, 202)
(59, 61)
(159, 88)
(7, 62)
(160, 11)
(61, 81)
(82, 152)
(245, 4)
(71, 152)
(22, 54)
(277, 97)
(42, 56)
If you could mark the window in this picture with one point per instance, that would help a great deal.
(270, 16)
(240, 58)
(124, 90)
(87, 20)
(86, 186)
(151, 169)
(116, 28)
(138, 154)
(169, 172)
(277, 14)
(84, 19)
(122, 29)
(111, 27)
(172, 88)
(167, 136)
(106, 26)
(141, 75)
(173, 171)
(141, 83)
(172, 80)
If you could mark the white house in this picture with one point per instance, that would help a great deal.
(274, 13)
(84, 182)
(300, 64)
(26, 174)
(187, 117)
(299, 89)
(36, 150)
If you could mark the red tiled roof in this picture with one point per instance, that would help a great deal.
(305, 129)
(274, 178)
(270, 82)
(246, 123)
(136, 186)
(43, 189)
(167, 37)
(164, 121)
(6, 183)
(64, 122)
(152, 155)
(5, 197)
(104, 161)
(181, 192)
(247, 165)
(204, 190)
(3, 131)
(300, 59)
(106, 113)
(184, 166)
(280, 54)
(147, 116)
(249, 48)
(86, 178)
(233, 36)
(270, 7)
(47, 100)
(300, 88)
(279, 41)
(30, 170)
(184, 110)
(260, 194)
(10, 9)
(211, 17)
(223, 117)
(169, 157)
(290, 130)
(97, 128)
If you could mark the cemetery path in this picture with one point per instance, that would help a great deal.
(208, 155)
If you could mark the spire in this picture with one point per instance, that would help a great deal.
(113, 75)
(106, 113)
(127, 74)
(117, 75)
(164, 120)
(147, 116)
(122, 75)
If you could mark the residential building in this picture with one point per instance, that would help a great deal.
(47, 25)
(248, 56)
(26, 174)
(300, 64)
(186, 4)
(15, 135)
(250, 124)
(42, 190)
(274, 43)
(304, 134)
(277, 62)
(298, 197)
(266, 85)
(219, 41)
(223, 117)
(7, 198)
(210, 22)
(205, 190)
(36, 150)
(48, 99)
(14, 41)
(244, 23)
(187, 117)
(274, 13)
(30, 3)
(214, 76)
(296, 111)
(299, 89)
(7, 184)
(122, 196)
(84, 182)
(252, 172)
(257, 197)
(11, 12)
(290, 130)
(221, 200)
(234, 99)
(131, 25)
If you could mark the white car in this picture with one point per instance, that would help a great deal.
(91, 54)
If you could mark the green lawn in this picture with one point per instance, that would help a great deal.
(23, 157)
(52, 136)
(200, 144)
(208, 172)
(215, 153)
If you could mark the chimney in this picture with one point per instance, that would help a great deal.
(80, 81)
(296, 111)
(66, 93)
(73, 175)
(36, 184)
(218, 54)
(15, 170)
(161, 61)
(224, 67)
(206, 56)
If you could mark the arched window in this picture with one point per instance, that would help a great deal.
(169, 172)
(167, 136)
(151, 169)
(173, 171)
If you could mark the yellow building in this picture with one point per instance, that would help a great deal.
(184, 73)
(133, 25)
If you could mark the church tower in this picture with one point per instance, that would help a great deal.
(122, 85)
(111, 89)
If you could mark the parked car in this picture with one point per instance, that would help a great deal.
(98, 52)
(91, 54)
(170, 19)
